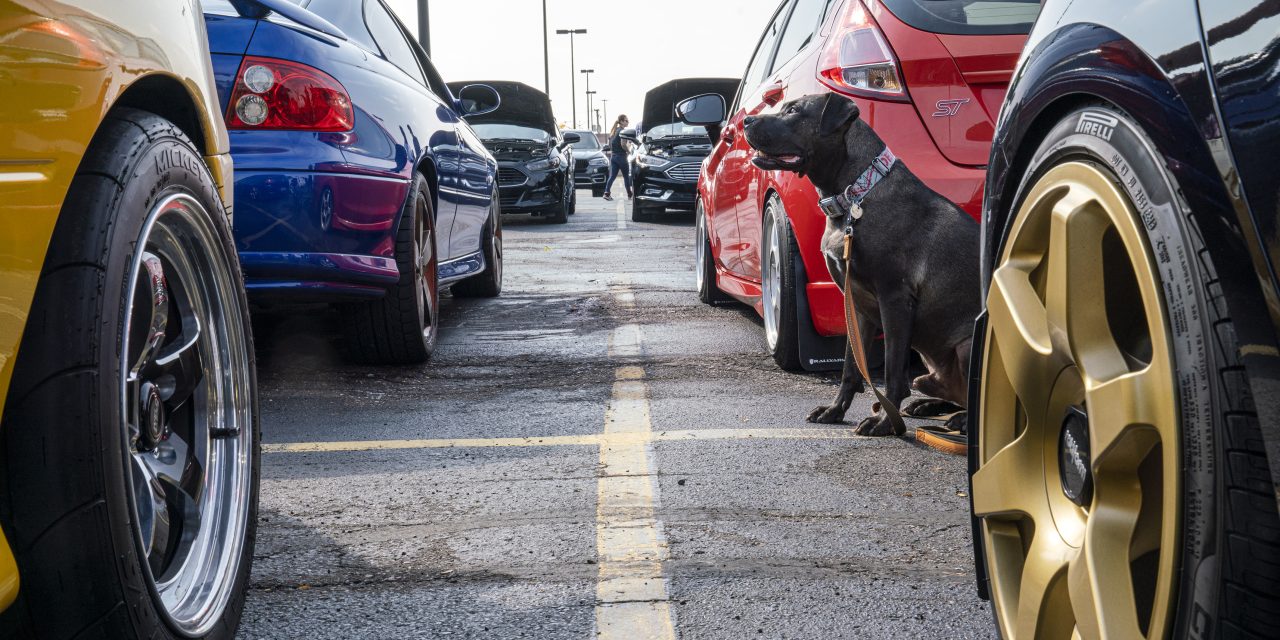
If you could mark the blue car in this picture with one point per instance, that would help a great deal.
(1126, 447)
(357, 180)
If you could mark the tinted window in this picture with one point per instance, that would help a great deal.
(588, 141)
(764, 54)
(967, 17)
(386, 32)
(347, 15)
(801, 27)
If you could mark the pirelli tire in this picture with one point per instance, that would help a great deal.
(1202, 555)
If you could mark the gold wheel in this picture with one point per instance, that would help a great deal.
(1078, 489)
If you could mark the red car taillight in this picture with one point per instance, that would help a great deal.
(857, 60)
(278, 94)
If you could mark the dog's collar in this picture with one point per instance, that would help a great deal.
(848, 204)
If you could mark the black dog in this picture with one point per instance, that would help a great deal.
(914, 253)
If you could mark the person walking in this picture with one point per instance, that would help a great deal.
(618, 158)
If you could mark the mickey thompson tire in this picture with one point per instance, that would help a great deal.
(1122, 486)
(96, 512)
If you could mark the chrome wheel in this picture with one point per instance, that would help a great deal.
(771, 277)
(189, 424)
(1079, 445)
(700, 248)
(496, 247)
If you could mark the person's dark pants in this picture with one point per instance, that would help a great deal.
(617, 166)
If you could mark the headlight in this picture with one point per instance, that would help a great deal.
(650, 161)
(543, 164)
(597, 161)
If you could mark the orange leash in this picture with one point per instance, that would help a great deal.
(855, 342)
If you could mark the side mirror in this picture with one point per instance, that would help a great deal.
(701, 111)
(572, 138)
(629, 134)
(648, 139)
(477, 100)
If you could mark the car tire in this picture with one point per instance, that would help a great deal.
(489, 283)
(704, 261)
(84, 466)
(641, 212)
(778, 289)
(1187, 543)
(560, 215)
(402, 327)
(597, 192)
(573, 201)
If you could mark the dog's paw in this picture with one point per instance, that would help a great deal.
(929, 407)
(826, 415)
(877, 426)
(958, 422)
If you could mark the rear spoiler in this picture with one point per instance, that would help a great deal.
(259, 9)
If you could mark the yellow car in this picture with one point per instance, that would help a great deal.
(129, 437)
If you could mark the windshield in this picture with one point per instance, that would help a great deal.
(968, 17)
(496, 131)
(676, 130)
(588, 141)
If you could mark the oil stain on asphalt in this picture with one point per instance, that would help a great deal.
(594, 454)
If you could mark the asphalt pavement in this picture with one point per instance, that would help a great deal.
(593, 454)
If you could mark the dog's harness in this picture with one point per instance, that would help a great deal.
(847, 207)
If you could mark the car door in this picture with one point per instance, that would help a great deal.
(733, 179)
(422, 123)
(790, 75)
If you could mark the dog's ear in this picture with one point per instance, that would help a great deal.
(838, 112)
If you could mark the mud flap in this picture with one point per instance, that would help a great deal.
(817, 353)
(971, 429)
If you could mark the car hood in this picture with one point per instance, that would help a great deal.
(660, 102)
(514, 151)
(521, 105)
(683, 147)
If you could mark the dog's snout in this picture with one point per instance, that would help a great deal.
(749, 120)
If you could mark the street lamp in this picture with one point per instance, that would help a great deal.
(589, 94)
(546, 52)
(605, 102)
(424, 26)
(573, 80)
(587, 73)
(596, 129)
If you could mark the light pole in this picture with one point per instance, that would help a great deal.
(587, 73)
(573, 80)
(605, 102)
(424, 26)
(589, 94)
(546, 52)
(596, 129)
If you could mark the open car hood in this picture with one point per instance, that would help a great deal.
(660, 102)
(521, 105)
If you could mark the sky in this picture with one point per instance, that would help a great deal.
(633, 46)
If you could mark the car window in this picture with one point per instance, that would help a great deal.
(801, 27)
(967, 17)
(588, 141)
(347, 15)
(386, 32)
(760, 62)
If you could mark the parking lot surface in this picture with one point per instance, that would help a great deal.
(593, 453)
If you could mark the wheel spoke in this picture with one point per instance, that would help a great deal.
(1020, 324)
(179, 369)
(152, 506)
(1003, 484)
(1120, 404)
(158, 318)
(1042, 595)
(1101, 581)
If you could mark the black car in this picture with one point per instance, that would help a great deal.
(664, 169)
(535, 163)
(590, 164)
(1125, 430)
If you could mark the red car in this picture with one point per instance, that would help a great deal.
(928, 75)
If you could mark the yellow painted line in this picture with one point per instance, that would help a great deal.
(632, 600)
(586, 440)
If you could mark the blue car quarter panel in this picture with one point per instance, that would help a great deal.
(318, 211)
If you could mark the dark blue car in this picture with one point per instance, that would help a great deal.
(357, 181)
(1126, 446)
